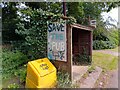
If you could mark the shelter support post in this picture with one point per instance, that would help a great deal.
(69, 49)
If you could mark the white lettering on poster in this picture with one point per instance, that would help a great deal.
(57, 41)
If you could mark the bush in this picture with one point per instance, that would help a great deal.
(99, 44)
(14, 85)
(91, 69)
(33, 27)
(21, 74)
(114, 37)
(105, 38)
(64, 81)
(83, 58)
(11, 61)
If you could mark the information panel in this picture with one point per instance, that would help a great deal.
(56, 41)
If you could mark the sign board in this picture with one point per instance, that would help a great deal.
(56, 41)
(93, 23)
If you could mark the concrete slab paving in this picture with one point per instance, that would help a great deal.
(78, 72)
(91, 79)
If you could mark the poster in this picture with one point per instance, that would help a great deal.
(56, 48)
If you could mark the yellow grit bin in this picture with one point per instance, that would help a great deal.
(41, 74)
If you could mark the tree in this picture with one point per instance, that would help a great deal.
(113, 5)
(54, 7)
(76, 10)
(34, 31)
(9, 21)
(10, 16)
(80, 10)
(83, 10)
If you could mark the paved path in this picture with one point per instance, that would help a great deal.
(108, 52)
(78, 72)
(91, 79)
(113, 81)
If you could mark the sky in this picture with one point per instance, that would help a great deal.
(113, 14)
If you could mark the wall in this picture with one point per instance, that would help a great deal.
(81, 41)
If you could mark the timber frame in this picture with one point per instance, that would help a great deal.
(67, 66)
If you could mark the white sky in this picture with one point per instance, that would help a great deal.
(113, 14)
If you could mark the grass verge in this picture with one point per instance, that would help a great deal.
(105, 61)
(114, 50)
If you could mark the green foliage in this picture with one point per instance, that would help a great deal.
(63, 81)
(91, 69)
(21, 74)
(100, 33)
(11, 61)
(9, 20)
(118, 37)
(113, 5)
(105, 61)
(99, 44)
(54, 7)
(104, 38)
(79, 10)
(113, 36)
(94, 9)
(35, 34)
(83, 58)
(34, 30)
(14, 85)
(75, 9)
